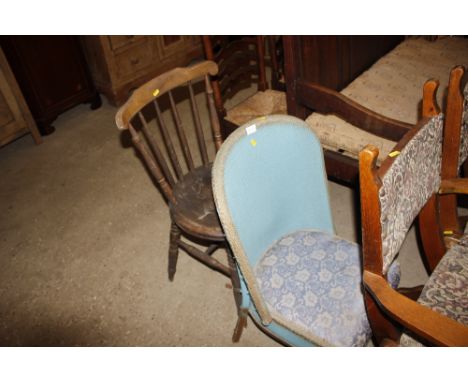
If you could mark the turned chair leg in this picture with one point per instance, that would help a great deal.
(236, 288)
(173, 250)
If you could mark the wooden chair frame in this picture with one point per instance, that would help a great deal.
(193, 225)
(388, 310)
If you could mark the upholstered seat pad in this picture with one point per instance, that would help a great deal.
(447, 289)
(260, 104)
(392, 87)
(313, 280)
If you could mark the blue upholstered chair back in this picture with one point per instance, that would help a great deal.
(269, 180)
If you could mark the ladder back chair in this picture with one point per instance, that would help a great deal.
(392, 196)
(275, 46)
(241, 61)
(168, 147)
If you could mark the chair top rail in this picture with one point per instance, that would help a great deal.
(161, 85)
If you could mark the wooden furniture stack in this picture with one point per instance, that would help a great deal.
(15, 117)
(119, 64)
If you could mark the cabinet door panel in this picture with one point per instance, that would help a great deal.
(15, 117)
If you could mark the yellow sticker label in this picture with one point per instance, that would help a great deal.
(155, 93)
(253, 142)
(448, 232)
(394, 154)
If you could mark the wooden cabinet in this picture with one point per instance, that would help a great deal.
(120, 64)
(52, 74)
(334, 61)
(330, 61)
(15, 117)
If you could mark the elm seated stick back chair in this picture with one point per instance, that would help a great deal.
(241, 61)
(391, 197)
(170, 153)
(300, 282)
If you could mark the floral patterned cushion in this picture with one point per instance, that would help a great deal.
(313, 279)
(413, 177)
(447, 289)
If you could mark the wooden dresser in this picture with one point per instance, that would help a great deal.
(15, 117)
(119, 64)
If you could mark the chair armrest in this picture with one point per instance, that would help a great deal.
(427, 323)
(454, 186)
(328, 101)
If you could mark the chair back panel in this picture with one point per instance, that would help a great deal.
(408, 181)
(165, 119)
(267, 184)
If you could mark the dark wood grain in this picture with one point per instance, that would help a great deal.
(52, 73)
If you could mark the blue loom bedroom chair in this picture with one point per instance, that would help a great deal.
(300, 282)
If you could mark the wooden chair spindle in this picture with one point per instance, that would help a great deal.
(168, 141)
(155, 149)
(198, 126)
(181, 133)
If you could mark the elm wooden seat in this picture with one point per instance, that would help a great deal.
(170, 152)
(195, 211)
(242, 63)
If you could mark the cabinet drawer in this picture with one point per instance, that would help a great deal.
(131, 61)
(120, 42)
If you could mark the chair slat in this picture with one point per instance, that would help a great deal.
(198, 126)
(215, 125)
(155, 149)
(152, 164)
(181, 133)
(168, 141)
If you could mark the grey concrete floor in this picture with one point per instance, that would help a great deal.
(83, 248)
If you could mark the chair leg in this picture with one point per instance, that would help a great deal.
(173, 250)
(242, 313)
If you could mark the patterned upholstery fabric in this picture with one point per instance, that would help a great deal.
(314, 279)
(447, 289)
(464, 239)
(464, 139)
(393, 87)
(394, 274)
(413, 177)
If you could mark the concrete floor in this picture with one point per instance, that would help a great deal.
(83, 248)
